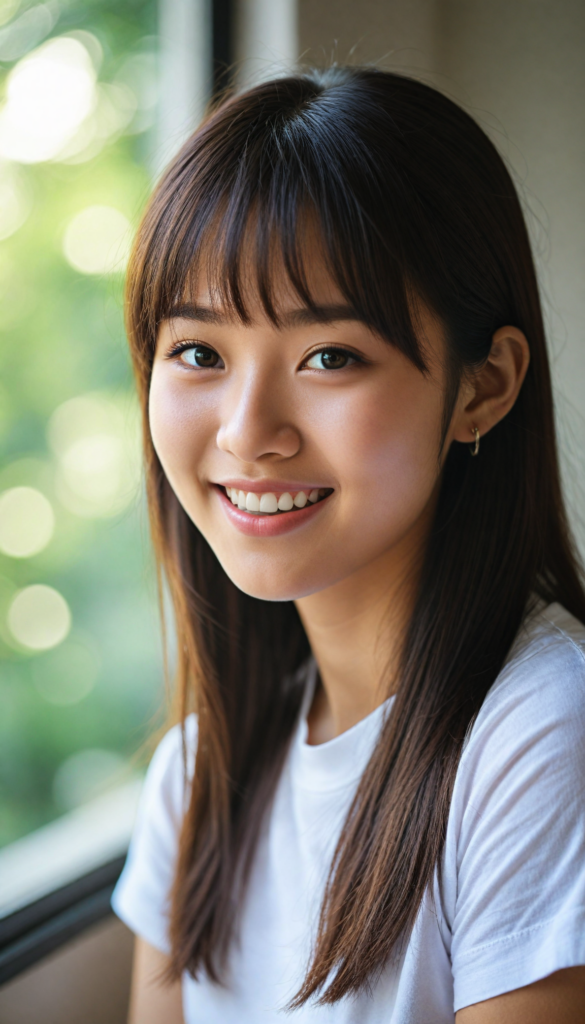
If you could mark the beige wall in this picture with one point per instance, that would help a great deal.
(523, 62)
(519, 67)
(400, 33)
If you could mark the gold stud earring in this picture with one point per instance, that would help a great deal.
(474, 449)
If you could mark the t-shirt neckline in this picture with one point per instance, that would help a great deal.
(339, 762)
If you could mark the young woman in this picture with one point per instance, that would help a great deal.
(372, 811)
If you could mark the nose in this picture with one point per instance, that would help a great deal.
(254, 423)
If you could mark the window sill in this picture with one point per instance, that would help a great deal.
(58, 881)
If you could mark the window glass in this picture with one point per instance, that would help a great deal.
(80, 664)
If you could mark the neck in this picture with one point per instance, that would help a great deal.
(356, 629)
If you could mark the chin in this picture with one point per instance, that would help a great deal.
(272, 582)
(268, 590)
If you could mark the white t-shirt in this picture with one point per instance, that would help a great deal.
(512, 905)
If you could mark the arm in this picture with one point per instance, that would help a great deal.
(560, 998)
(153, 1001)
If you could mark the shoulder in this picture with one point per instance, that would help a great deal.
(541, 689)
(551, 640)
(514, 874)
(527, 744)
(180, 740)
(171, 769)
(141, 896)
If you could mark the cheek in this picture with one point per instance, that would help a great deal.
(179, 429)
(383, 446)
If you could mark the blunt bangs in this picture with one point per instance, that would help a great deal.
(246, 196)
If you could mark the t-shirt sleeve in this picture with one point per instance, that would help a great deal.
(141, 897)
(519, 907)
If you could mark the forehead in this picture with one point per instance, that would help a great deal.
(265, 292)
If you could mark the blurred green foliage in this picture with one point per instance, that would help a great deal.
(61, 336)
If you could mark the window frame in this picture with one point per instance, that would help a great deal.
(39, 928)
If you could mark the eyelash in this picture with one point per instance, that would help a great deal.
(336, 348)
(184, 346)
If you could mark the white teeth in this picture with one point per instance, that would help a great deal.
(268, 503)
(252, 502)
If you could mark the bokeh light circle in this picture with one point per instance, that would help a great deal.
(39, 617)
(97, 444)
(49, 93)
(27, 522)
(97, 240)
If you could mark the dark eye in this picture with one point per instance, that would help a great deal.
(329, 359)
(200, 355)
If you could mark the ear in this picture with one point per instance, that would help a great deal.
(486, 397)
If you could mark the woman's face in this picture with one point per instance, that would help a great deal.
(326, 434)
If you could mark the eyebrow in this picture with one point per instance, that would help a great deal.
(304, 316)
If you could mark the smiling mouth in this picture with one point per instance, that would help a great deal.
(274, 503)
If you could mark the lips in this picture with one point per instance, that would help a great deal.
(272, 524)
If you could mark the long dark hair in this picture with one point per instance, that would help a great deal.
(411, 199)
